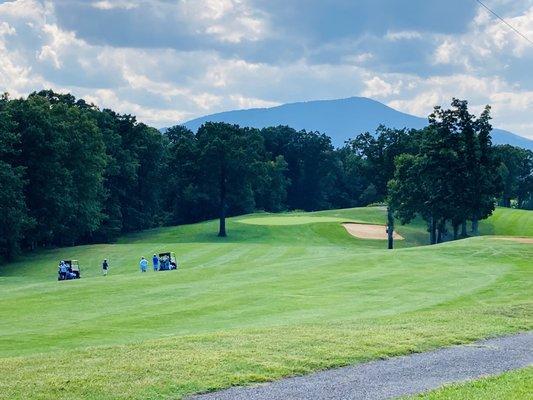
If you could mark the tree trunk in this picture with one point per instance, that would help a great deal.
(463, 229)
(439, 233)
(432, 231)
(475, 226)
(455, 231)
(390, 228)
(507, 202)
(222, 225)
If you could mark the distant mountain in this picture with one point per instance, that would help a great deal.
(341, 119)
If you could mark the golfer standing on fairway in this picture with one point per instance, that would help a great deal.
(143, 264)
(155, 261)
(105, 267)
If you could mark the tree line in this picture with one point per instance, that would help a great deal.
(451, 176)
(71, 173)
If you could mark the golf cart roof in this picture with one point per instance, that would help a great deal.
(74, 264)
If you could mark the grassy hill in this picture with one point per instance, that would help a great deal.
(282, 295)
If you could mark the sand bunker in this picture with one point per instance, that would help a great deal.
(528, 240)
(365, 231)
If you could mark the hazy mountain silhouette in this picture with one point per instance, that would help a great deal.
(341, 119)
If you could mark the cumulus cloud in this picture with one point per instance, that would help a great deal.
(378, 88)
(169, 61)
(403, 35)
(114, 4)
(489, 42)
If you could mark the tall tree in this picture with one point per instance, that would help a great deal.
(377, 153)
(516, 172)
(454, 168)
(486, 183)
(270, 187)
(42, 149)
(407, 193)
(186, 201)
(85, 159)
(311, 165)
(228, 156)
(15, 219)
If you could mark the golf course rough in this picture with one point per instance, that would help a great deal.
(511, 385)
(266, 302)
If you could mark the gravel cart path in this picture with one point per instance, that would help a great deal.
(399, 376)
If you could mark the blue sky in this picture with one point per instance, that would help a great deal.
(168, 61)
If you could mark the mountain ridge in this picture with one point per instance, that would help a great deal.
(340, 119)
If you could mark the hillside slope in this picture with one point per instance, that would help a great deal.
(270, 300)
(341, 119)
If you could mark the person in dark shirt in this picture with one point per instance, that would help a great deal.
(105, 267)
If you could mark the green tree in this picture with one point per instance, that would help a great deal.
(134, 178)
(485, 182)
(228, 156)
(451, 178)
(407, 193)
(271, 183)
(377, 153)
(186, 200)
(311, 165)
(516, 172)
(15, 219)
(42, 151)
(455, 125)
(85, 159)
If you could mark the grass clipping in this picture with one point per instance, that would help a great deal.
(367, 231)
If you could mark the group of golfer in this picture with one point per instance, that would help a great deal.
(143, 264)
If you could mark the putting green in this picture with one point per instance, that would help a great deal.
(290, 220)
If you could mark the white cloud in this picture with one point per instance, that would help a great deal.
(402, 35)
(378, 88)
(359, 58)
(510, 108)
(6, 29)
(248, 102)
(16, 75)
(32, 10)
(163, 86)
(57, 43)
(114, 4)
(241, 28)
(106, 98)
(231, 21)
(487, 41)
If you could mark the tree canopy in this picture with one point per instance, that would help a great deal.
(71, 173)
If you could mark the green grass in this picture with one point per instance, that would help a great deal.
(289, 220)
(511, 222)
(514, 385)
(271, 300)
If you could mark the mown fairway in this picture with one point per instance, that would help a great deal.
(275, 298)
